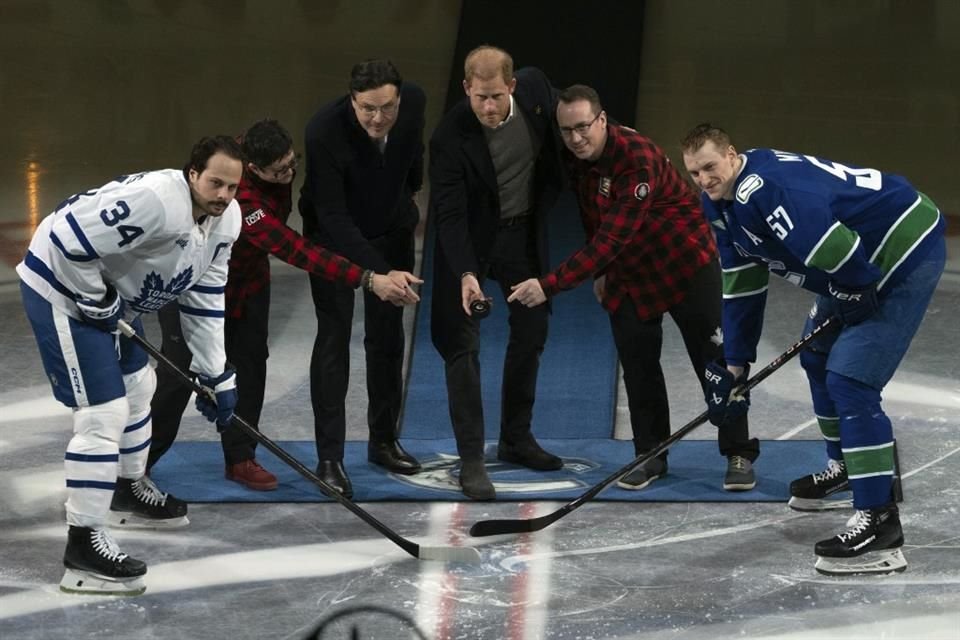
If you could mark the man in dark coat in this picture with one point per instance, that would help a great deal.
(494, 174)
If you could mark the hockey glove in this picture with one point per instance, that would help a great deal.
(854, 305)
(722, 405)
(224, 389)
(104, 314)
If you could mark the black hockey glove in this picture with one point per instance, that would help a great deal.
(722, 404)
(224, 389)
(103, 314)
(854, 305)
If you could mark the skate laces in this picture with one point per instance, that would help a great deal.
(148, 492)
(858, 524)
(104, 544)
(833, 471)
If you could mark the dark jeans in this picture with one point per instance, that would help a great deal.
(639, 345)
(457, 338)
(245, 340)
(383, 343)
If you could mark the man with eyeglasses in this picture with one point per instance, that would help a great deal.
(650, 252)
(364, 166)
(494, 175)
(265, 198)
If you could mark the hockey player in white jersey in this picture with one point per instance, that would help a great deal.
(116, 252)
(872, 248)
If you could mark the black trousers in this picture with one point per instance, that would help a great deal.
(383, 343)
(457, 338)
(245, 341)
(639, 345)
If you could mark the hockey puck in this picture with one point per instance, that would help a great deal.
(480, 309)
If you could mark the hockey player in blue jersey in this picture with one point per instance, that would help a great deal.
(872, 248)
(115, 253)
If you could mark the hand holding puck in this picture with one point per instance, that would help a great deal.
(480, 309)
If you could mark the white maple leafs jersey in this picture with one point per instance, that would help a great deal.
(138, 233)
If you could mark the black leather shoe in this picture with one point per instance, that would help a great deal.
(333, 473)
(475, 482)
(529, 454)
(392, 457)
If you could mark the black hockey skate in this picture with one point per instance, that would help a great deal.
(139, 504)
(870, 545)
(96, 566)
(810, 493)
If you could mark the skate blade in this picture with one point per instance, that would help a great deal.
(812, 504)
(91, 584)
(883, 562)
(124, 520)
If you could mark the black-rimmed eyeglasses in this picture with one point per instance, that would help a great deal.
(581, 129)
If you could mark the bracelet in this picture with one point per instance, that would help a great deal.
(366, 281)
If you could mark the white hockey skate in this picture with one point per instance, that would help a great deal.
(871, 544)
(139, 504)
(96, 566)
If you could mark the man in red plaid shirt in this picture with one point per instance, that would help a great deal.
(264, 196)
(650, 252)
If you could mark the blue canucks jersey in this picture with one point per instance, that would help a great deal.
(812, 221)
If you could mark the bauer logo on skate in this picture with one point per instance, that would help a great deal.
(441, 473)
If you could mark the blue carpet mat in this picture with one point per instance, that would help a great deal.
(193, 471)
(576, 391)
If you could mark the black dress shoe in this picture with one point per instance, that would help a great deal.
(475, 482)
(529, 454)
(333, 473)
(392, 457)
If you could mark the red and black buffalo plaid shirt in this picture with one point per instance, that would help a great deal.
(646, 232)
(265, 207)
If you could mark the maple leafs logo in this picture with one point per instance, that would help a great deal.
(154, 294)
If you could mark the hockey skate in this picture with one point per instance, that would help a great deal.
(811, 493)
(139, 504)
(871, 545)
(96, 566)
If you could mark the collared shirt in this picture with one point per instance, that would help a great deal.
(509, 115)
(646, 231)
(265, 208)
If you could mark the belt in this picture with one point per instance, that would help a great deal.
(515, 220)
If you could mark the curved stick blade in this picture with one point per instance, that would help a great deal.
(467, 555)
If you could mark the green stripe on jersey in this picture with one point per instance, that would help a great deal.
(829, 428)
(905, 234)
(869, 462)
(833, 249)
(745, 281)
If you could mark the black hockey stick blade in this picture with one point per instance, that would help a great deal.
(443, 554)
(485, 528)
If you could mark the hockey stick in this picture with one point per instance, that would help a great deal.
(445, 554)
(498, 527)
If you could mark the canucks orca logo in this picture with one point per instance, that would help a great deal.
(154, 294)
(442, 472)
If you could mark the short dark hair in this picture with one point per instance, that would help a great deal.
(265, 142)
(372, 74)
(577, 92)
(207, 146)
(700, 134)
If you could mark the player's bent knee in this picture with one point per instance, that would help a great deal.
(102, 422)
(140, 386)
(852, 396)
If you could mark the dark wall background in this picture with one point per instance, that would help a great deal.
(572, 42)
(95, 88)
